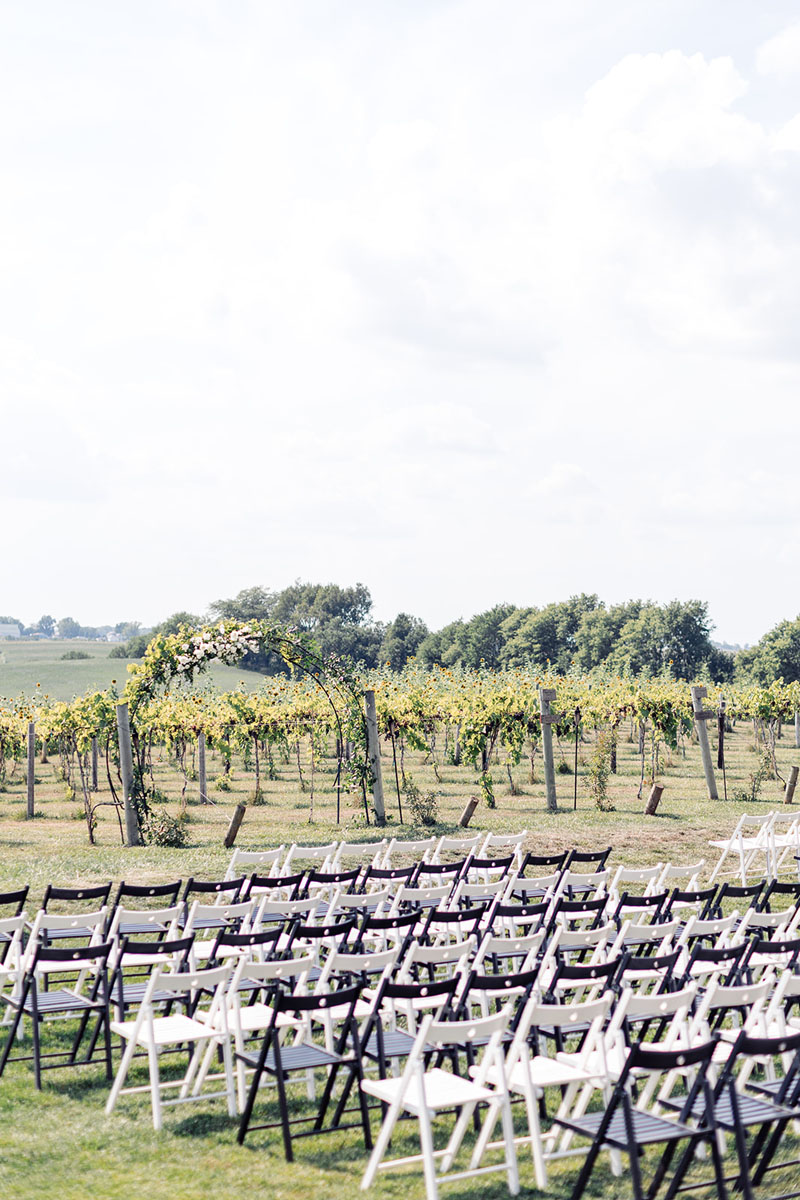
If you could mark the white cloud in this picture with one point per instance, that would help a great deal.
(780, 55)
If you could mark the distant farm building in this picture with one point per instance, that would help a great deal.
(10, 631)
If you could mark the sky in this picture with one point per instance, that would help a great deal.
(472, 301)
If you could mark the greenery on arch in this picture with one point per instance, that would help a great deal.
(177, 658)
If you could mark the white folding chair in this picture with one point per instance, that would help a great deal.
(155, 1033)
(424, 1093)
(749, 841)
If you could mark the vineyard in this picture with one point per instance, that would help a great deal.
(293, 752)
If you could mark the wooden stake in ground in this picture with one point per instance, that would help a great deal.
(466, 815)
(374, 758)
(701, 715)
(31, 768)
(546, 696)
(233, 828)
(201, 766)
(132, 832)
(95, 758)
(656, 793)
(791, 784)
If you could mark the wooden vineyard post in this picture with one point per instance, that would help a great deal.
(546, 696)
(797, 727)
(233, 828)
(201, 766)
(656, 793)
(31, 768)
(374, 757)
(700, 717)
(469, 809)
(95, 757)
(132, 832)
(791, 784)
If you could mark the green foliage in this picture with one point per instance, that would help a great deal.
(486, 785)
(751, 792)
(161, 829)
(598, 772)
(401, 640)
(75, 656)
(423, 807)
(776, 656)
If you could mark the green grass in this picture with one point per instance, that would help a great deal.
(60, 1143)
(37, 667)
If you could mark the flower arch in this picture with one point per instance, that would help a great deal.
(179, 657)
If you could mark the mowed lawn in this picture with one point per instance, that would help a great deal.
(59, 1143)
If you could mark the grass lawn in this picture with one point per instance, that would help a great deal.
(60, 1143)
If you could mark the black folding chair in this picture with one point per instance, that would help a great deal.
(280, 1061)
(624, 1127)
(61, 1002)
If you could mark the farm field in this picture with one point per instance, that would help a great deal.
(37, 668)
(62, 1133)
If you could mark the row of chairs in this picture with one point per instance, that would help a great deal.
(282, 1005)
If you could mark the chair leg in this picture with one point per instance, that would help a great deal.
(381, 1144)
(12, 1033)
(155, 1085)
(428, 1160)
(122, 1072)
(251, 1095)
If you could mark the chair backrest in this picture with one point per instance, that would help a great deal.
(165, 894)
(645, 877)
(410, 896)
(555, 861)
(325, 882)
(452, 959)
(321, 855)
(689, 874)
(278, 887)
(76, 895)
(593, 883)
(66, 959)
(719, 1000)
(668, 1011)
(255, 945)
(460, 846)
(657, 938)
(418, 849)
(497, 948)
(381, 931)
(160, 922)
(587, 944)
(447, 925)
(595, 858)
(226, 890)
(364, 852)
(86, 925)
(236, 915)
(14, 899)
(12, 937)
(247, 860)
(343, 965)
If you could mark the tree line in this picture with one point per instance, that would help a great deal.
(636, 637)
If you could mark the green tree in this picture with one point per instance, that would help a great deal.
(775, 656)
(46, 625)
(68, 627)
(548, 634)
(401, 640)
